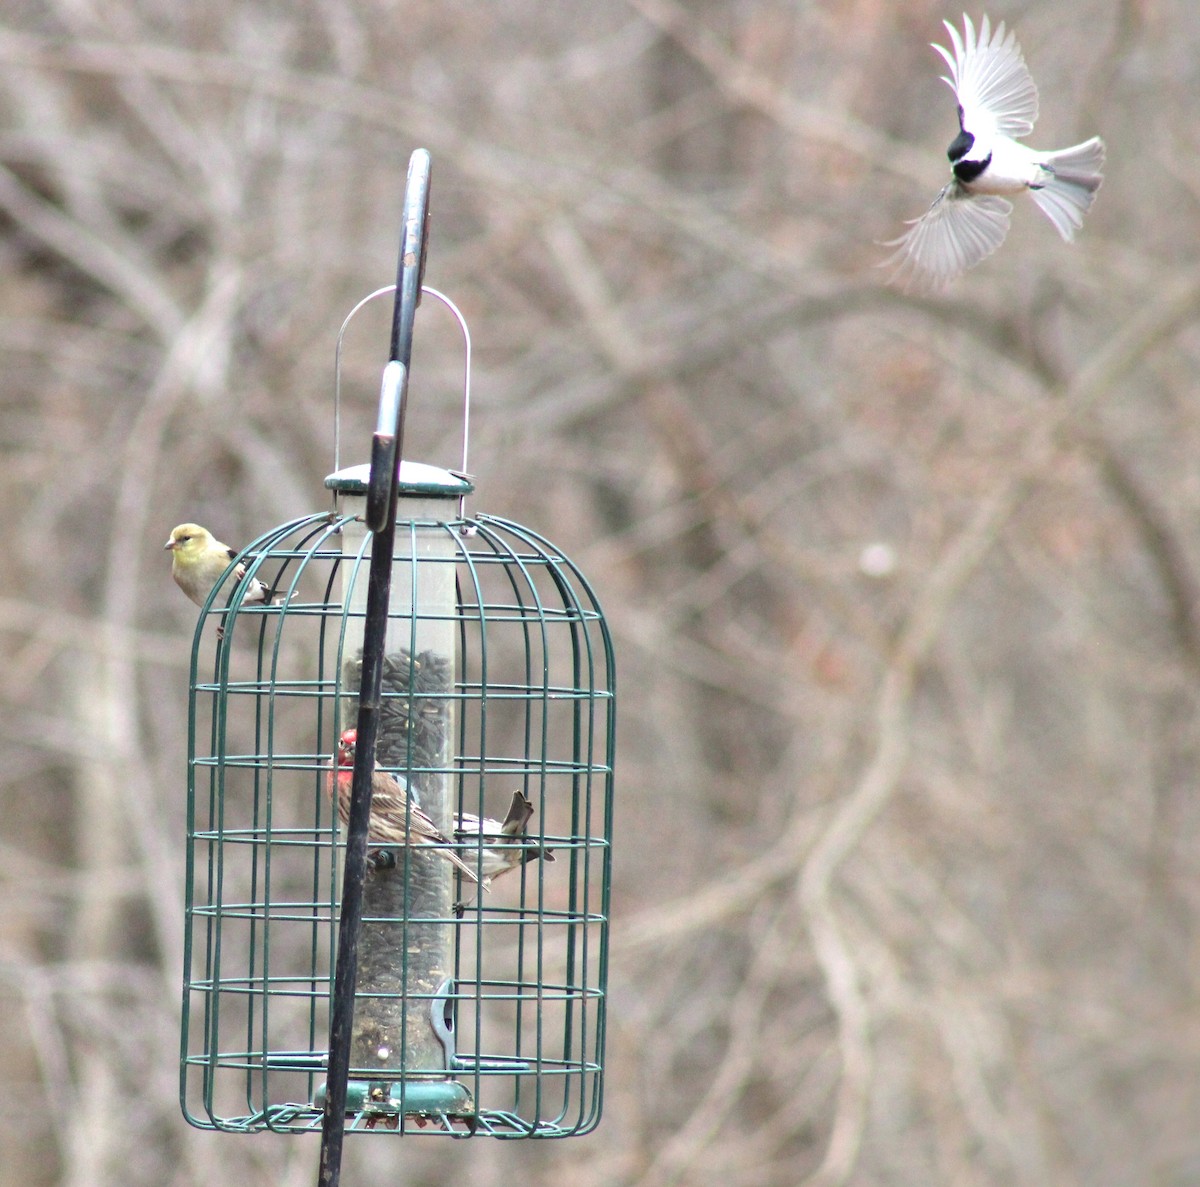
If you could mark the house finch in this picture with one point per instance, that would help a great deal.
(198, 562)
(512, 848)
(394, 819)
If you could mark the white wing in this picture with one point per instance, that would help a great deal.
(954, 234)
(990, 78)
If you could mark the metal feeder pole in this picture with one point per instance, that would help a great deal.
(386, 451)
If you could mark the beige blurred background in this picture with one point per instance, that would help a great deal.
(904, 589)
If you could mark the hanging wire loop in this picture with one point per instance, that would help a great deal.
(382, 493)
(464, 329)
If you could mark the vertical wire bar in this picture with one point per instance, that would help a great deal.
(583, 648)
(189, 911)
(528, 609)
(478, 611)
(268, 833)
(220, 730)
(318, 862)
(260, 853)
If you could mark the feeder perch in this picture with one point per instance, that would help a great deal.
(479, 1006)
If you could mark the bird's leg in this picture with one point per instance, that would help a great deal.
(460, 907)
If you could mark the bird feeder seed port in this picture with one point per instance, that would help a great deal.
(469, 995)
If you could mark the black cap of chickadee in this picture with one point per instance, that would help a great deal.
(997, 105)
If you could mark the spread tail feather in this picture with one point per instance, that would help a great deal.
(1072, 177)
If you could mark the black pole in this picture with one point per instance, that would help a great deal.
(386, 453)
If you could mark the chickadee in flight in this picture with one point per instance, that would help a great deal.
(997, 103)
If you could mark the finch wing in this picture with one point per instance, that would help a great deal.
(470, 828)
(956, 233)
(389, 802)
(988, 75)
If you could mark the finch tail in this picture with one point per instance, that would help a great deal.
(519, 813)
(1071, 178)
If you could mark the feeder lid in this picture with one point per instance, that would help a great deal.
(416, 478)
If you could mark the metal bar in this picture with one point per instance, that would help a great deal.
(410, 271)
(408, 289)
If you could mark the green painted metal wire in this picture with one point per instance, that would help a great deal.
(533, 699)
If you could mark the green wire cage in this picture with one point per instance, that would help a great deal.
(440, 965)
(476, 1010)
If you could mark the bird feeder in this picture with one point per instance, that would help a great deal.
(477, 1000)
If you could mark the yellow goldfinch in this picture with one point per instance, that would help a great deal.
(198, 560)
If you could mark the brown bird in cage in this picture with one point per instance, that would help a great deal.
(510, 834)
(394, 819)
